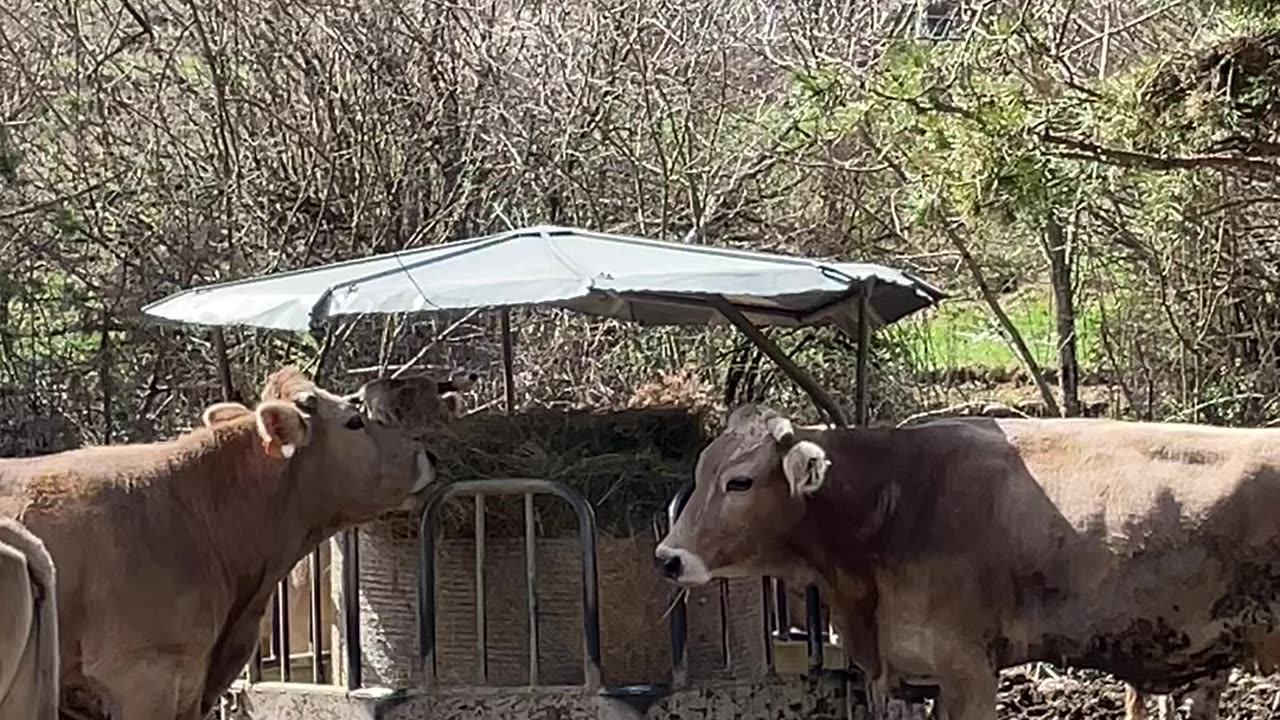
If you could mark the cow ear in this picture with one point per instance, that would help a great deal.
(222, 412)
(283, 428)
(782, 432)
(805, 466)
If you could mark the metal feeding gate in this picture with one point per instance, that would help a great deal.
(624, 277)
(478, 489)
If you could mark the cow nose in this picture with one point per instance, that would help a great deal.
(669, 562)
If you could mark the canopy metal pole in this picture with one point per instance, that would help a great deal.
(861, 389)
(508, 360)
(795, 372)
(530, 518)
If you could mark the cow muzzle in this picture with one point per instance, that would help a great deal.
(681, 566)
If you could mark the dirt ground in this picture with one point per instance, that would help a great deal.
(1045, 693)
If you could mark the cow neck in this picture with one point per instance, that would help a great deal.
(846, 520)
(252, 496)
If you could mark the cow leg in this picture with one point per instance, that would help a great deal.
(971, 696)
(1204, 696)
(1135, 703)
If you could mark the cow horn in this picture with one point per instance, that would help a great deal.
(306, 401)
(782, 431)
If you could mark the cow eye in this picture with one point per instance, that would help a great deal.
(355, 422)
(738, 484)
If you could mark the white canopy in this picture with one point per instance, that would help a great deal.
(631, 278)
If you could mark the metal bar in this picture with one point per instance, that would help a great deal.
(813, 628)
(351, 605)
(531, 584)
(317, 621)
(766, 587)
(726, 656)
(282, 618)
(861, 389)
(508, 361)
(781, 620)
(282, 621)
(275, 623)
(679, 611)
(508, 486)
(482, 620)
(255, 664)
(795, 372)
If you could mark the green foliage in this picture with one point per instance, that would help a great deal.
(50, 318)
(960, 334)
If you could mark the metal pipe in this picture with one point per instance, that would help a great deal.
(255, 664)
(679, 611)
(726, 655)
(351, 605)
(508, 361)
(282, 621)
(275, 623)
(782, 618)
(766, 588)
(793, 371)
(482, 620)
(813, 628)
(531, 584)
(509, 486)
(860, 387)
(317, 621)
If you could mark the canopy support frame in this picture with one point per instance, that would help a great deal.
(820, 397)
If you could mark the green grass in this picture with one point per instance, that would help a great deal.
(962, 333)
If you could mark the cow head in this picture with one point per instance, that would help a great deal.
(750, 490)
(344, 458)
(414, 402)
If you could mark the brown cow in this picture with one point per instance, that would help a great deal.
(28, 626)
(416, 403)
(952, 549)
(167, 553)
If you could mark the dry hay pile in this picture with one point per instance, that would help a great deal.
(626, 463)
(1052, 694)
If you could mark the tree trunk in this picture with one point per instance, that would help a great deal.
(1058, 250)
(1002, 319)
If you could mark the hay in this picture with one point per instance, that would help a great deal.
(626, 463)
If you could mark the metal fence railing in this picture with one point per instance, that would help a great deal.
(527, 487)
(280, 656)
